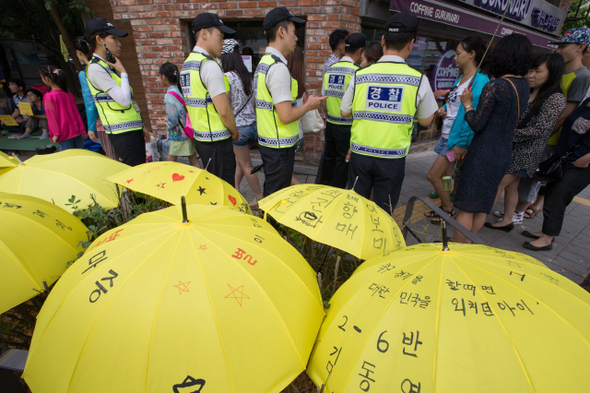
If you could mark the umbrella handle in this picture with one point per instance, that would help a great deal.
(184, 214)
(445, 238)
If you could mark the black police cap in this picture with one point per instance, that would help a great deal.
(276, 16)
(207, 20)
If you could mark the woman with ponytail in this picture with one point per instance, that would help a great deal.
(181, 145)
(64, 121)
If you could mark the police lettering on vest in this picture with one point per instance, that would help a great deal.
(384, 93)
(336, 80)
(271, 132)
(115, 118)
(206, 122)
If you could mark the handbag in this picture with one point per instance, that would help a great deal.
(188, 127)
(311, 121)
(552, 168)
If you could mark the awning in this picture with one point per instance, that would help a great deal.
(468, 20)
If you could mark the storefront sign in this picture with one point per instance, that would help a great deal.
(466, 19)
(445, 72)
(535, 13)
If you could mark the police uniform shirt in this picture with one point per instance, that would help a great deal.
(278, 79)
(426, 102)
(345, 58)
(211, 75)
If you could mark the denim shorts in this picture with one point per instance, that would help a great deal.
(248, 136)
(441, 146)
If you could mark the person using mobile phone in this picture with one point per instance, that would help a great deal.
(109, 84)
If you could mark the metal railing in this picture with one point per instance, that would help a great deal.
(449, 220)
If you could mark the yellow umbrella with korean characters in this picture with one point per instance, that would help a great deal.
(468, 319)
(169, 181)
(340, 218)
(216, 301)
(59, 176)
(37, 240)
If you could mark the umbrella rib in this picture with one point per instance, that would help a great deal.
(437, 325)
(164, 281)
(112, 297)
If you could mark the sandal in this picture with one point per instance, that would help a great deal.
(438, 219)
(431, 214)
(531, 213)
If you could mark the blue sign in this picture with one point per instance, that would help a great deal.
(336, 82)
(384, 98)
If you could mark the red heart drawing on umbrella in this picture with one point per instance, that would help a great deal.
(232, 199)
(177, 177)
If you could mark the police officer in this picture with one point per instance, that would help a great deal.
(333, 169)
(383, 99)
(205, 93)
(277, 114)
(109, 84)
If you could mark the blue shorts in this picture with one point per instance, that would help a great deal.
(248, 136)
(441, 147)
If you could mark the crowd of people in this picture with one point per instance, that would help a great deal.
(507, 112)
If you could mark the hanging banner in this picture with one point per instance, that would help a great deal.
(445, 71)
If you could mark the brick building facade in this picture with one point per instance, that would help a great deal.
(159, 31)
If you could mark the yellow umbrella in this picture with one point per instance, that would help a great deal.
(221, 303)
(7, 161)
(37, 240)
(169, 181)
(340, 218)
(56, 177)
(472, 319)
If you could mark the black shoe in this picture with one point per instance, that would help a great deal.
(533, 236)
(505, 228)
(535, 248)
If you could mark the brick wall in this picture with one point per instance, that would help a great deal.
(157, 30)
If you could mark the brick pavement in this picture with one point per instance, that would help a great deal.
(571, 252)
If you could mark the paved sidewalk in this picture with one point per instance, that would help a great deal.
(571, 252)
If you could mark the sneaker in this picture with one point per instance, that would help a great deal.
(499, 213)
(518, 218)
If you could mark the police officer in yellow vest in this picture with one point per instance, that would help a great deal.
(383, 100)
(277, 113)
(333, 169)
(205, 93)
(109, 84)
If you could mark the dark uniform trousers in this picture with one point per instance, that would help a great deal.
(129, 146)
(278, 167)
(218, 158)
(333, 169)
(384, 175)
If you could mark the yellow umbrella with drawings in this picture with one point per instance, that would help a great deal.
(37, 240)
(56, 177)
(340, 218)
(169, 181)
(471, 319)
(217, 302)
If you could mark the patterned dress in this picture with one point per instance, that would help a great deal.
(490, 152)
(529, 141)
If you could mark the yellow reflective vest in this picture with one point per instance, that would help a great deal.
(336, 80)
(271, 132)
(384, 105)
(115, 118)
(205, 120)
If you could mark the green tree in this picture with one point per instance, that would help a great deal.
(577, 16)
(39, 20)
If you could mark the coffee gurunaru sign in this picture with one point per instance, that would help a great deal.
(446, 72)
(431, 12)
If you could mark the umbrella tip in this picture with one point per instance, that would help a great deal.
(445, 238)
(184, 215)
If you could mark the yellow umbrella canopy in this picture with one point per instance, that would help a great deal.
(169, 181)
(340, 218)
(37, 240)
(220, 303)
(7, 161)
(56, 177)
(472, 319)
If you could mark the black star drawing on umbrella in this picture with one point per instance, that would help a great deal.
(201, 190)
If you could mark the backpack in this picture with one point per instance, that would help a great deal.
(188, 127)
